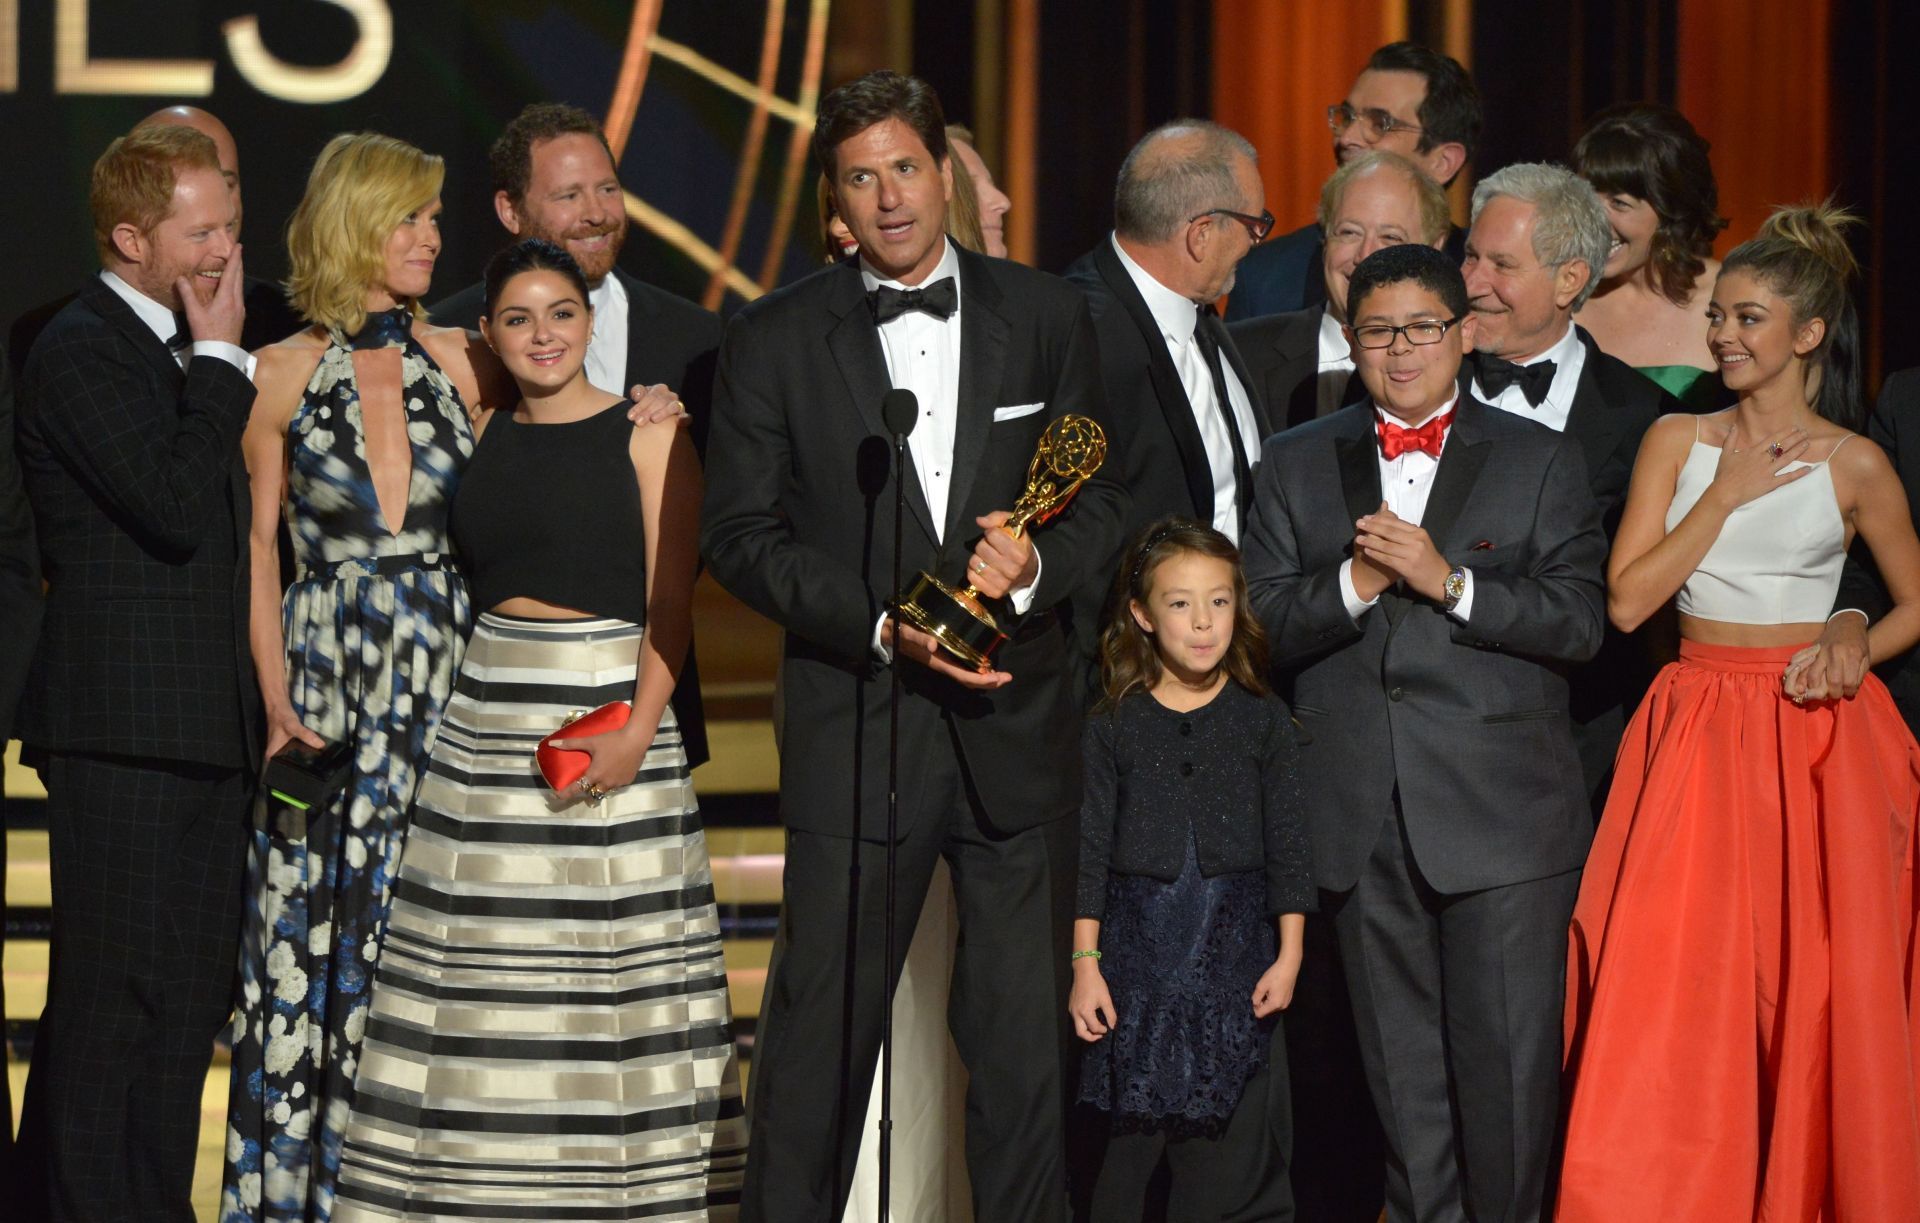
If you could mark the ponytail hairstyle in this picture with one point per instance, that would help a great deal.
(1129, 662)
(1801, 253)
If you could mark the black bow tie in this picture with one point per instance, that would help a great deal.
(940, 299)
(182, 334)
(1533, 380)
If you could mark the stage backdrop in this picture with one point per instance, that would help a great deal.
(708, 104)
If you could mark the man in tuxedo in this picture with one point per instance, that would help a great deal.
(1427, 567)
(1299, 360)
(20, 613)
(1538, 241)
(1188, 207)
(1408, 100)
(554, 178)
(799, 525)
(141, 711)
(269, 315)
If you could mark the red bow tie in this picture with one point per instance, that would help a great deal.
(1396, 440)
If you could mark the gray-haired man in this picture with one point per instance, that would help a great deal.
(1534, 254)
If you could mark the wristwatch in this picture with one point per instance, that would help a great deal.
(1454, 588)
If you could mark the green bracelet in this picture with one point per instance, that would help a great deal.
(1081, 955)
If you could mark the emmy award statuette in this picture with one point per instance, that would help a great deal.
(1071, 449)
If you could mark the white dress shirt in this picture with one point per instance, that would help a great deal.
(1336, 366)
(1178, 318)
(1406, 481)
(161, 322)
(607, 350)
(923, 356)
(1568, 356)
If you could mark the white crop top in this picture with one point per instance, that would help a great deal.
(1778, 557)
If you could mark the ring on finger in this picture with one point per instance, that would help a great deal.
(1776, 450)
(979, 566)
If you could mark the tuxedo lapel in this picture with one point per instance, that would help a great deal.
(983, 349)
(640, 314)
(1263, 416)
(854, 342)
(1459, 470)
(1167, 388)
(109, 306)
(1359, 460)
(1589, 420)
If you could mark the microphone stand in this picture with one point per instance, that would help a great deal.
(900, 410)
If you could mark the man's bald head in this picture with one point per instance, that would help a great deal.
(1178, 170)
(209, 126)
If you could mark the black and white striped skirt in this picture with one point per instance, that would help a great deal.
(549, 1035)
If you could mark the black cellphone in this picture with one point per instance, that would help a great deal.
(304, 777)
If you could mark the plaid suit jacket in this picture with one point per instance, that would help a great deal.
(139, 494)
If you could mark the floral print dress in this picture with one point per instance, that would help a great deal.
(375, 623)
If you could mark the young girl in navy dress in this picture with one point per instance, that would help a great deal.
(1193, 858)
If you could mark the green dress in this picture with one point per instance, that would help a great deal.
(1698, 389)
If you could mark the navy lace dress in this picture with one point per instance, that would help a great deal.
(1192, 839)
(375, 623)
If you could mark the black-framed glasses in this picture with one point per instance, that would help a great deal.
(1257, 227)
(1424, 332)
(1379, 124)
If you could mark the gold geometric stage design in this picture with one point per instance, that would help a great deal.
(644, 42)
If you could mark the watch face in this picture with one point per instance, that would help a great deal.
(1456, 585)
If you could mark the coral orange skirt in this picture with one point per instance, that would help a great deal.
(1741, 1012)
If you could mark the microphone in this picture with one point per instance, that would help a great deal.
(900, 409)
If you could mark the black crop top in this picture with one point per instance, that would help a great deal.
(552, 512)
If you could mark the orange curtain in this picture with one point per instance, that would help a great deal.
(1277, 66)
(1755, 78)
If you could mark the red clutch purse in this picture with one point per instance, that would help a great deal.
(564, 766)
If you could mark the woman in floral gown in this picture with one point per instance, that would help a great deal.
(358, 437)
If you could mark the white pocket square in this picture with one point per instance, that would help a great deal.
(1016, 411)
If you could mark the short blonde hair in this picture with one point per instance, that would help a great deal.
(1435, 217)
(963, 213)
(362, 186)
(134, 179)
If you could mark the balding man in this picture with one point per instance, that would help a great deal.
(1410, 100)
(269, 317)
(1188, 207)
(1300, 361)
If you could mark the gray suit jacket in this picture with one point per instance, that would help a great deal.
(1468, 721)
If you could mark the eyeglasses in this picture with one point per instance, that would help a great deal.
(1379, 335)
(1379, 124)
(1257, 227)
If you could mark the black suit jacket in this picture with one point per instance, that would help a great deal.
(1285, 273)
(1165, 462)
(1282, 352)
(670, 340)
(19, 570)
(1468, 721)
(799, 525)
(1613, 407)
(140, 499)
(270, 319)
(1895, 424)
(1158, 449)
